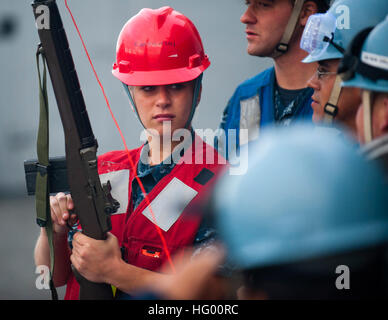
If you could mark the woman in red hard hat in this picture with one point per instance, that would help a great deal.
(160, 61)
(169, 52)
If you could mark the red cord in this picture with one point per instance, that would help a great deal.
(125, 145)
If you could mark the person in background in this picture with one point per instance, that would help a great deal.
(297, 239)
(366, 67)
(312, 227)
(325, 38)
(279, 94)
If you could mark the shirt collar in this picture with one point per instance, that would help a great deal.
(165, 167)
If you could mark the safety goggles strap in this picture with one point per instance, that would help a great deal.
(133, 105)
(283, 45)
(367, 104)
(331, 108)
(331, 41)
(42, 185)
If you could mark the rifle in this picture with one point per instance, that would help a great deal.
(92, 201)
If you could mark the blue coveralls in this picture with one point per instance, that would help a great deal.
(252, 107)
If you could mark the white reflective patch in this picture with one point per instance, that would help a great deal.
(375, 60)
(250, 114)
(119, 181)
(169, 204)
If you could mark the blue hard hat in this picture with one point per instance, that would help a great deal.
(307, 193)
(325, 40)
(371, 70)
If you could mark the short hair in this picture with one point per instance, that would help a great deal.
(323, 5)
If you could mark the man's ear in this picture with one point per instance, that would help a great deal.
(309, 8)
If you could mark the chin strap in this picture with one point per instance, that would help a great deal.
(197, 87)
(367, 104)
(132, 102)
(283, 45)
(331, 108)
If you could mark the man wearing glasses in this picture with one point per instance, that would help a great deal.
(325, 38)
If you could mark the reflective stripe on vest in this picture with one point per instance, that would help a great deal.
(169, 204)
(250, 115)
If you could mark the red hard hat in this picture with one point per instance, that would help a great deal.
(158, 47)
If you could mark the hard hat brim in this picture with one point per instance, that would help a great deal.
(160, 77)
(328, 54)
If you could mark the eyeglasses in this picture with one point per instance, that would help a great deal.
(322, 74)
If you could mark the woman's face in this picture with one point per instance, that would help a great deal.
(163, 105)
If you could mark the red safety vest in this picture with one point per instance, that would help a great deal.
(136, 230)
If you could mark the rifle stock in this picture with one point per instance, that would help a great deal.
(92, 201)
